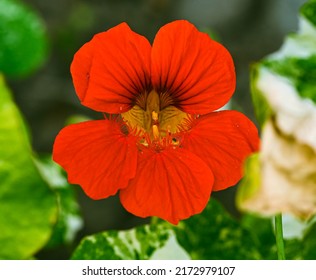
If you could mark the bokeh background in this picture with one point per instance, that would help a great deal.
(248, 29)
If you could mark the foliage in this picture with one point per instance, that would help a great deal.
(37, 205)
(261, 106)
(23, 41)
(139, 243)
(28, 208)
(69, 220)
(300, 70)
(309, 11)
(214, 234)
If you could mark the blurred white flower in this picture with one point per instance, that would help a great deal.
(282, 177)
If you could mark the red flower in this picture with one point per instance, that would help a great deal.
(164, 149)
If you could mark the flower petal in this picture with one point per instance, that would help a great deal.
(223, 140)
(196, 71)
(80, 69)
(97, 155)
(112, 69)
(173, 185)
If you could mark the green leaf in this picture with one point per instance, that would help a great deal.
(262, 228)
(261, 105)
(308, 10)
(171, 250)
(309, 243)
(135, 244)
(250, 184)
(214, 234)
(301, 71)
(23, 42)
(69, 220)
(28, 207)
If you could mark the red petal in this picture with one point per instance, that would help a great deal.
(197, 71)
(80, 69)
(97, 156)
(112, 69)
(173, 185)
(223, 140)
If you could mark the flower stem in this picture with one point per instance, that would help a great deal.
(279, 236)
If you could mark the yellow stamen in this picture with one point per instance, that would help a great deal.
(154, 116)
(155, 131)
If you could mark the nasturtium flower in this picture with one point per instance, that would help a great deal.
(162, 143)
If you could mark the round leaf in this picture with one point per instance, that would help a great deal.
(23, 42)
(28, 208)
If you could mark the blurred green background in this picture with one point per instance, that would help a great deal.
(248, 29)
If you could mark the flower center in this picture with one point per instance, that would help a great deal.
(156, 122)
